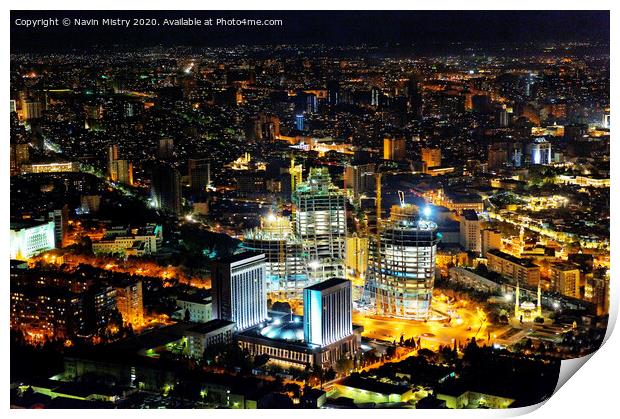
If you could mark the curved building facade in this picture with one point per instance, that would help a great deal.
(286, 264)
(402, 266)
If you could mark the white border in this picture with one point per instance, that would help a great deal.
(592, 392)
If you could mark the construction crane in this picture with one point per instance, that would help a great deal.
(378, 234)
(401, 197)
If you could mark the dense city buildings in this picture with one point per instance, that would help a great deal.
(308, 216)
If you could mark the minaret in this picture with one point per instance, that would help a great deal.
(517, 301)
(538, 305)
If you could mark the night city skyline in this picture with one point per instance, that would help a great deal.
(306, 209)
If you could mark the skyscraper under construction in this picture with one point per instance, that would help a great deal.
(401, 271)
(286, 264)
(321, 224)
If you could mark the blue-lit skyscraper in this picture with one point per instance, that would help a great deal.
(239, 289)
(300, 121)
(540, 151)
(328, 312)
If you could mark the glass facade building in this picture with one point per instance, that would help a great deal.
(239, 289)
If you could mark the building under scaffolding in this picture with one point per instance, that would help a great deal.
(401, 271)
(286, 263)
(321, 224)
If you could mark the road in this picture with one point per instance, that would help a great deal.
(467, 321)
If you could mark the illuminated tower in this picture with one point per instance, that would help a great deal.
(394, 148)
(300, 122)
(401, 269)
(321, 224)
(431, 157)
(239, 290)
(540, 151)
(517, 301)
(112, 157)
(328, 312)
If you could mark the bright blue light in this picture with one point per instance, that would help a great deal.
(426, 211)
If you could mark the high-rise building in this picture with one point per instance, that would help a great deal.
(239, 289)
(540, 151)
(502, 117)
(90, 204)
(264, 127)
(124, 172)
(359, 178)
(497, 156)
(606, 119)
(431, 157)
(321, 224)
(300, 121)
(166, 189)
(112, 157)
(130, 303)
(199, 171)
(60, 217)
(20, 154)
(596, 290)
(119, 170)
(414, 97)
(286, 265)
(565, 278)
(333, 92)
(31, 109)
(328, 312)
(307, 102)
(470, 234)
(401, 268)
(394, 148)
(513, 268)
(375, 96)
(166, 148)
(491, 239)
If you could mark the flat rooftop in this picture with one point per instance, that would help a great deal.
(210, 326)
(370, 384)
(526, 263)
(238, 257)
(326, 284)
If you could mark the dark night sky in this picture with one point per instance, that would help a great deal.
(332, 27)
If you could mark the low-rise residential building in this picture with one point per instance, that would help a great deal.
(130, 242)
(214, 332)
(513, 268)
(197, 306)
